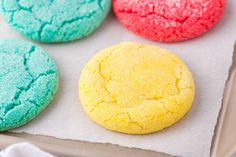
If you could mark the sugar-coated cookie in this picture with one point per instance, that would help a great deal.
(136, 88)
(28, 82)
(169, 20)
(55, 20)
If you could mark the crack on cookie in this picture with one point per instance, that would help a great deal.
(43, 25)
(8, 72)
(17, 100)
(26, 59)
(95, 106)
(100, 5)
(130, 121)
(133, 122)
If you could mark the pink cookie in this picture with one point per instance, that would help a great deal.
(169, 20)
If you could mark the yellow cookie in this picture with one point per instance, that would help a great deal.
(135, 88)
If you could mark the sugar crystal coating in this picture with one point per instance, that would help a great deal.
(136, 88)
(28, 82)
(169, 20)
(55, 20)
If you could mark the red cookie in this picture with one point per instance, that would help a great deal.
(169, 20)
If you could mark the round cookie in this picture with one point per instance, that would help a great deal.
(28, 82)
(169, 20)
(55, 20)
(135, 88)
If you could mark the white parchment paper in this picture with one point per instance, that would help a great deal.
(209, 58)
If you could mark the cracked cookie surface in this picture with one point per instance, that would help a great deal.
(169, 20)
(28, 82)
(135, 88)
(55, 20)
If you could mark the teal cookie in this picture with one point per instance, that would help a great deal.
(28, 82)
(55, 20)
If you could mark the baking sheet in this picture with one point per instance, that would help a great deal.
(208, 57)
(224, 144)
(75, 148)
